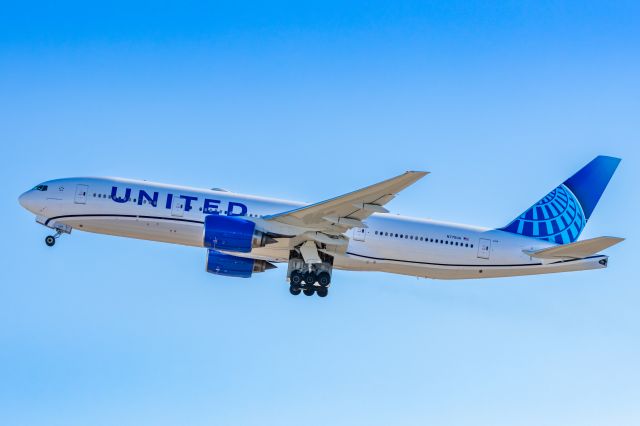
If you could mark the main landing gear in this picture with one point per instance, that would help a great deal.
(309, 283)
(309, 278)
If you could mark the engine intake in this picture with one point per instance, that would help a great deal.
(234, 266)
(233, 234)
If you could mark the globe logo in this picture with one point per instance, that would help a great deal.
(558, 218)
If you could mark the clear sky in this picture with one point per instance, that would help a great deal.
(308, 100)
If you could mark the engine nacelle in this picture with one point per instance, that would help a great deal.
(234, 266)
(232, 234)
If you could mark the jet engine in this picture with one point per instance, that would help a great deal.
(231, 233)
(234, 266)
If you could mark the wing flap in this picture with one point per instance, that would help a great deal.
(577, 250)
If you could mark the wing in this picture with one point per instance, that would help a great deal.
(577, 250)
(336, 215)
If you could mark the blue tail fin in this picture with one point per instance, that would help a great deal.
(563, 213)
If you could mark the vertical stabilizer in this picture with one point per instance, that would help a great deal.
(562, 214)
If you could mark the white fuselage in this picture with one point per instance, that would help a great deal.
(390, 243)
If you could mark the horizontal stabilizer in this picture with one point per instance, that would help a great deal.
(577, 250)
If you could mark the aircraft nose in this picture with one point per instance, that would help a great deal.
(26, 200)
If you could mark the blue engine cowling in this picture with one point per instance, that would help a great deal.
(232, 234)
(234, 266)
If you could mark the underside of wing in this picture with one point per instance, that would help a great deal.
(577, 250)
(336, 215)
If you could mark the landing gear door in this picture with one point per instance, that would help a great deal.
(358, 234)
(177, 207)
(484, 248)
(81, 194)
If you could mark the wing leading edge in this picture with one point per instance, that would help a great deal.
(336, 215)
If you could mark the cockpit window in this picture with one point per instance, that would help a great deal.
(41, 188)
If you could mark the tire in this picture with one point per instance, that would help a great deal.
(296, 278)
(322, 292)
(308, 291)
(324, 279)
(50, 240)
(295, 290)
(310, 278)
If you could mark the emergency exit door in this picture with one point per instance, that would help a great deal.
(358, 234)
(81, 194)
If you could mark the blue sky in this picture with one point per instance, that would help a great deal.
(307, 100)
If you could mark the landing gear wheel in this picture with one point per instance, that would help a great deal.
(296, 278)
(324, 279)
(309, 291)
(295, 290)
(309, 278)
(322, 291)
(50, 240)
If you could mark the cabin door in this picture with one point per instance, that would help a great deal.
(177, 208)
(81, 194)
(484, 248)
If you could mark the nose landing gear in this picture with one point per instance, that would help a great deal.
(50, 240)
(60, 228)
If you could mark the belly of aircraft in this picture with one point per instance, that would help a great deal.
(169, 231)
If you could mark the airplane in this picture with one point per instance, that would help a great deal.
(246, 234)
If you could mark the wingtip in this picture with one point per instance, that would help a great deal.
(417, 172)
